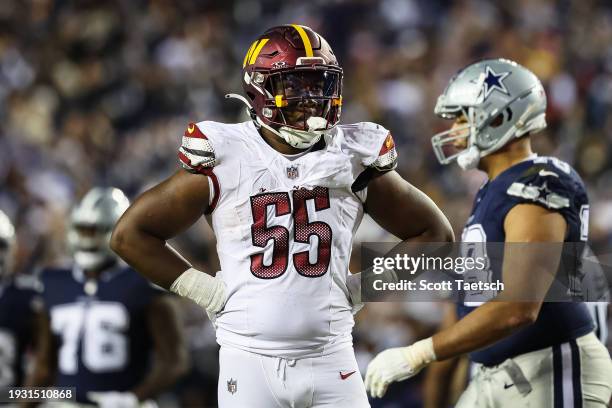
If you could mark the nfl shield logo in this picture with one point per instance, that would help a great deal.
(232, 386)
(292, 172)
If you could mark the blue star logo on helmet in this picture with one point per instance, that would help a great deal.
(494, 81)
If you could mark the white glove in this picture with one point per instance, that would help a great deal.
(397, 364)
(114, 399)
(202, 288)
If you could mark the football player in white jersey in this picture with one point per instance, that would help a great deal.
(284, 194)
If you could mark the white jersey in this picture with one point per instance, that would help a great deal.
(284, 227)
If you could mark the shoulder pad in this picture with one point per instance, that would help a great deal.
(196, 153)
(545, 185)
(373, 143)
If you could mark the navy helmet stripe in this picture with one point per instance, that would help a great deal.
(576, 373)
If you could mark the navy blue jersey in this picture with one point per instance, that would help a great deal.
(554, 185)
(100, 328)
(17, 300)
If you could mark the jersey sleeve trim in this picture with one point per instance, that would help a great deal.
(216, 191)
(549, 199)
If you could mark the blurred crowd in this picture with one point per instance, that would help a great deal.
(99, 93)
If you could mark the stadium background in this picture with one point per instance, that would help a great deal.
(99, 93)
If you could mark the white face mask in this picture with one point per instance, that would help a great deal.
(90, 252)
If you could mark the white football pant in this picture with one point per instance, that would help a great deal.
(257, 381)
(575, 374)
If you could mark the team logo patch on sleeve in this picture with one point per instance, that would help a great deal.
(389, 144)
(194, 131)
(196, 153)
(541, 194)
(387, 157)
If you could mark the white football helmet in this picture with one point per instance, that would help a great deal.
(500, 99)
(91, 225)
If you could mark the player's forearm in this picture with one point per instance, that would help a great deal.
(435, 229)
(484, 326)
(391, 198)
(148, 254)
(438, 229)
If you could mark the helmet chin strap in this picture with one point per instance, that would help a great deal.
(300, 139)
(469, 158)
(250, 110)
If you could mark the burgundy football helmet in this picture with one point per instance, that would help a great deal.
(291, 74)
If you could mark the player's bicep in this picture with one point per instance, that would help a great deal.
(404, 210)
(534, 242)
(170, 207)
(533, 223)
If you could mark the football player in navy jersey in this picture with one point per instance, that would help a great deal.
(18, 296)
(106, 330)
(528, 353)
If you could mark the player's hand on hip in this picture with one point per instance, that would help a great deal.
(114, 399)
(397, 364)
(205, 290)
(212, 314)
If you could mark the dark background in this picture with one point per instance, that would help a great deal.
(99, 93)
